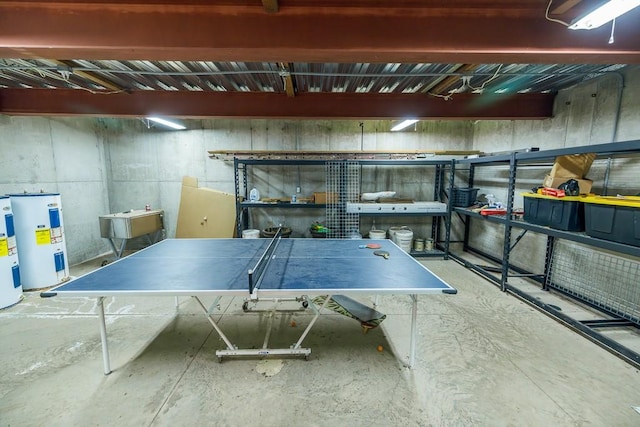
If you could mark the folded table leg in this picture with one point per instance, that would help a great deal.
(103, 337)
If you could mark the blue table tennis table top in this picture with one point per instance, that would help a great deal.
(220, 267)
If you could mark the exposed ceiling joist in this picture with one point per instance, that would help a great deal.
(287, 80)
(390, 31)
(563, 6)
(270, 6)
(271, 105)
(448, 82)
(89, 76)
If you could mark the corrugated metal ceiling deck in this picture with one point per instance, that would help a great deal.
(301, 58)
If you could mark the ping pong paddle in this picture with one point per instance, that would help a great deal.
(383, 254)
(370, 246)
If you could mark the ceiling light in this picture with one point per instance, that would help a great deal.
(605, 13)
(167, 123)
(403, 125)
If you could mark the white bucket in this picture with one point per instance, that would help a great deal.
(404, 238)
(394, 230)
(377, 234)
(250, 234)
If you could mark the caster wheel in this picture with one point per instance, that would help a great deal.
(305, 304)
(105, 262)
(245, 306)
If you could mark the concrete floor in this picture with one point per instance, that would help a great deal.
(483, 358)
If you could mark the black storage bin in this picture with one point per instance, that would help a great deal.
(616, 219)
(565, 213)
(463, 197)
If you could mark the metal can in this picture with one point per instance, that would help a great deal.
(418, 245)
(428, 244)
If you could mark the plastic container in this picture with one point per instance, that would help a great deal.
(463, 197)
(613, 218)
(377, 234)
(564, 213)
(394, 230)
(250, 234)
(404, 239)
(254, 195)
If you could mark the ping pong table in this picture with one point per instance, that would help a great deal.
(258, 269)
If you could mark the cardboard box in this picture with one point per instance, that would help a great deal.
(205, 212)
(572, 166)
(324, 197)
(554, 182)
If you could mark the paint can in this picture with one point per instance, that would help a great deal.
(404, 238)
(418, 245)
(428, 244)
(394, 230)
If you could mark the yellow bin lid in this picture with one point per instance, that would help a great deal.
(565, 198)
(628, 201)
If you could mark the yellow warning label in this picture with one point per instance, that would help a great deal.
(4, 247)
(43, 237)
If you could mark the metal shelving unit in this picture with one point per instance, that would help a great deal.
(443, 224)
(615, 316)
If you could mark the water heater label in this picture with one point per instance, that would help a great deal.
(8, 219)
(58, 258)
(56, 235)
(43, 236)
(4, 247)
(15, 270)
(54, 218)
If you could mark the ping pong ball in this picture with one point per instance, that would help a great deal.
(380, 348)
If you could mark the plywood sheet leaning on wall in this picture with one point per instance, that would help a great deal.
(205, 212)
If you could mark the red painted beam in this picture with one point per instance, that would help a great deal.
(43, 102)
(442, 32)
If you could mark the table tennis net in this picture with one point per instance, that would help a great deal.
(257, 272)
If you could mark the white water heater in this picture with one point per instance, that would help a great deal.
(40, 237)
(10, 287)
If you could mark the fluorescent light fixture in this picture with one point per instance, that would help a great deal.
(403, 125)
(167, 123)
(605, 13)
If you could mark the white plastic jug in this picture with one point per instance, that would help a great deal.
(254, 195)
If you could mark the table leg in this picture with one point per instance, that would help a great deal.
(103, 337)
(313, 321)
(230, 346)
